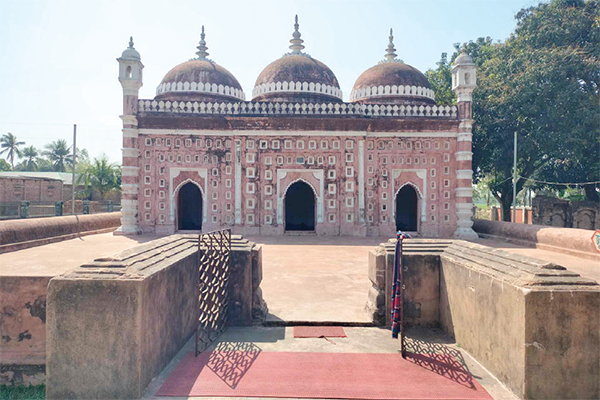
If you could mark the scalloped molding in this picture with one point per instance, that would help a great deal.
(391, 91)
(275, 108)
(297, 87)
(177, 87)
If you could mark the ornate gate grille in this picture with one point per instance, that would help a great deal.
(213, 286)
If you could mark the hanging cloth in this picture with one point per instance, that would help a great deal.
(397, 285)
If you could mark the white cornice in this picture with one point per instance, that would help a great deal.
(391, 91)
(208, 88)
(297, 87)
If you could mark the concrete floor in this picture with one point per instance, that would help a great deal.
(56, 258)
(359, 340)
(316, 278)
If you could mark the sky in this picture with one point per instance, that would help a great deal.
(58, 58)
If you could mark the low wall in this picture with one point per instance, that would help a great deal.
(113, 325)
(535, 325)
(20, 234)
(577, 242)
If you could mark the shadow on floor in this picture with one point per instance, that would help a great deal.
(231, 360)
(318, 240)
(437, 357)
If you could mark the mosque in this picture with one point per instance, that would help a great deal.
(297, 158)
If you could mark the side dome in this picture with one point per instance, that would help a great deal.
(200, 79)
(297, 77)
(392, 81)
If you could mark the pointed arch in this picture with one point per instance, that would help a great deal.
(406, 207)
(179, 207)
(300, 200)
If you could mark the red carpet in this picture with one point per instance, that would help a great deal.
(317, 375)
(318, 331)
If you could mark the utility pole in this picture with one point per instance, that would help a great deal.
(73, 182)
(515, 180)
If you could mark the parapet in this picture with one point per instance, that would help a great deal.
(20, 234)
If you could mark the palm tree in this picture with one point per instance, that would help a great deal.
(101, 174)
(30, 154)
(10, 146)
(59, 153)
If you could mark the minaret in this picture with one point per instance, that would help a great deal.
(464, 81)
(130, 76)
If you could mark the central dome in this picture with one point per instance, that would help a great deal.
(199, 79)
(297, 77)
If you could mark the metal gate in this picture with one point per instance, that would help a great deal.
(213, 286)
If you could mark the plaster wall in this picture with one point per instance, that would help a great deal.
(487, 318)
(562, 344)
(23, 329)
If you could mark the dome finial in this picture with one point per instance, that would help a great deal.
(390, 53)
(131, 42)
(296, 42)
(202, 53)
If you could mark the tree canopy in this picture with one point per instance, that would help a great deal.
(10, 146)
(542, 83)
(59, 153)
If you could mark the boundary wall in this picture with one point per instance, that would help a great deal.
(25, 233)
(576, 242)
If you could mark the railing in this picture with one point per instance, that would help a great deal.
(213, 286)
(250, 108)
(37, 209)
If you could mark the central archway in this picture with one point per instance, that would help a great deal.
(189, 208)
(299, 208)
(406, 209)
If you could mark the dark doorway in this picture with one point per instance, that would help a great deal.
(406, 209)
(300, 208)
(190, 208)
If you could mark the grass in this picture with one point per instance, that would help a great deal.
(22, 392)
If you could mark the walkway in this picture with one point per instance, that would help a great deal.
(235, 369)
(316, 278)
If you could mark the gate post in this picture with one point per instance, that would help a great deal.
(58, 208)
(24, 209)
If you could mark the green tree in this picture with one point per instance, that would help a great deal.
(542, 83)
(440, 80)
(4, 165)
(59, 154)
(100, 175)
(10, 145)
(30, 154)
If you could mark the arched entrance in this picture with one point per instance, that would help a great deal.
(299, 208)
(406, 209)
(189, 208)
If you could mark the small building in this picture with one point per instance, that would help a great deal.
(26, 186)
(297, 157)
